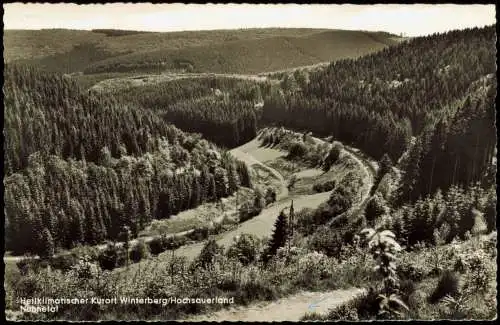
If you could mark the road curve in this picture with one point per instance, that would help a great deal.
(262, 225)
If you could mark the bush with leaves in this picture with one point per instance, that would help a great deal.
(340, 200)
(85, 268)
(383, 247)
(156, 245)
(270, 196)
(209, 254)
(375, 208)
(448, 285)
(332, 157)
(109, 257)
(139, 251)
(245, 248)
(478, 275)
(297, 150)
(326, 241)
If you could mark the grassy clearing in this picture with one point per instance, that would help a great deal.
(201, 216)
(86, 81)
(265, 178)
(263, 154)
(307, 177)
(310, 177)
(287, 167)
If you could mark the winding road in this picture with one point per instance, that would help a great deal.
(290, 308)
(262, 225)
(294, 307)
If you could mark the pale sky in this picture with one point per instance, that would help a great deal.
(413, 20)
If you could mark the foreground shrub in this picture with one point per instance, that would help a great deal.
(208, 255)
(324, 187)
(313, 317)
(109, 257)
(410, 271)
(255, 290)
(297, 150)
(447, 286)
(364, 306)
(383, 247)
(407, 288)
(156, 245)
(344, 312)
(245, 248)
(85, 269)
(326, 241)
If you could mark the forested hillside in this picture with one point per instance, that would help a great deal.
(79, 167)
(438, 88)
(222, 109)
(374, 174)
(251, 56)
(243, 51)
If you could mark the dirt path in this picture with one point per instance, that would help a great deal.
(292, 308)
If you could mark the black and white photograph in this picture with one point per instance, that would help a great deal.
(249, 162)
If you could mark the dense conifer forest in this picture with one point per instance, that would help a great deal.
(222, 109)
(439, 88)
(83, 166)
(375, 174)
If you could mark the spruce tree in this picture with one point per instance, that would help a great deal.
(279, 236)
(209, 253)
(47, 244)
(490, 214)
(333, 156)
(126, 235)
(409, 181)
